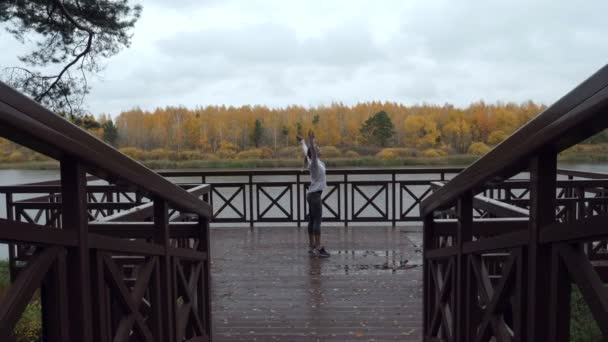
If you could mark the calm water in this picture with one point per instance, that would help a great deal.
(12, 177)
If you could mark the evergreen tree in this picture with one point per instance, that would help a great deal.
(258, 133)
(110, 132)
(72, 38)
(378, 129)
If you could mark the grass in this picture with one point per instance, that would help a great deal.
(369, 161)
(462, 160)
(583, 327)
(29, 326)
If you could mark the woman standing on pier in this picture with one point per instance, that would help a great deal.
(314, 195)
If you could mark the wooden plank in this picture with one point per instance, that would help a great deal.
(143, 230)
(589, 229)
(439, 253)
(503, 241)
(482, 227)
(186, 253)
(498, 208)
(110, 244)
(14, 231)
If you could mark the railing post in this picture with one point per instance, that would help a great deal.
(428, 294)
(543, 168)
(251, 219)
(394, 198)
(75, 218)
(161, 229)
(345, 199)
(298, 200)
(204, 298)
(465, 294)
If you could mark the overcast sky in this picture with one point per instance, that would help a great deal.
(312, 53)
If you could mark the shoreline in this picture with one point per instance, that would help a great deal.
(454, 160)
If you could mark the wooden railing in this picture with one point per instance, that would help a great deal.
(511, 278)
(258, 197)
(119, 280)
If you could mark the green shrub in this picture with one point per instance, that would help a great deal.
(478, 149)
(157, 154)
(210, 156)
(29, 327)
(583, 327)
(188, 155)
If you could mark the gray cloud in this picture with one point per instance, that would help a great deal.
(314, 52)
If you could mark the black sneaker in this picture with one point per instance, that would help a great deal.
(311, 250)
(323, 253)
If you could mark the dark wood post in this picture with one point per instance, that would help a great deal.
(75, 218)
(251, 217)
(464, 294)
(204, 298)
(161, 227)
(559, 310)
(543, 172)
(428, 292)
(298, 200)
(394, 200)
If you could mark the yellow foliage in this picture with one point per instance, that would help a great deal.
(330, 152)
(397, 152)
(255, 153)
(420, 131)
(157, 154)
(497, 137)
(433, 153)
(351, 154)
(132, 152)
(17, 157)
(188, 155)
(290, 152)
(478, 149)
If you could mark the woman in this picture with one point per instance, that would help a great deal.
(314, 194)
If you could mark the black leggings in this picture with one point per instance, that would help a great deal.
(315, 212)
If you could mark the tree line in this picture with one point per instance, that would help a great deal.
(383, 129)
(369, 126)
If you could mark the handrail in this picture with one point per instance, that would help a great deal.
(28, 123)
(568, 121)
(294, 171)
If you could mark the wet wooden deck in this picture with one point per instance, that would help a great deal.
(267, 288)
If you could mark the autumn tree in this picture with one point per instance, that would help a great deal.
(420, 131)
(378, 129)
(457, 133)
(72, 38)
